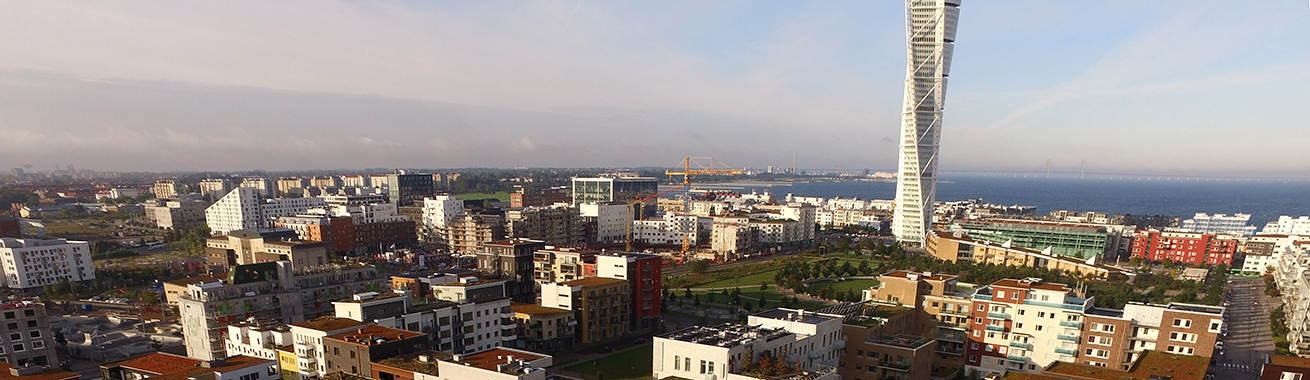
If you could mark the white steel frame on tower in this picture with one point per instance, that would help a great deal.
(929, 39)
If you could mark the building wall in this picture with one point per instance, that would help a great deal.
(27, 327)
(1185, 247)
(32, 263)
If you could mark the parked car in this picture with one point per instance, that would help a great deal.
(640, 340)
(605, 350)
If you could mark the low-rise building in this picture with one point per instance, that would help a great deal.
(251, 247)
(645, 276)
(763, 348)
(337, 231)
(310, 346)
(1279, 367)
(354, 351)
(1186, 247)
(958, 246)
(258, 337)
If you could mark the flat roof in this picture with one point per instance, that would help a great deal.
(198, 279)
(169, 366)
(49, 374)
(795, 315)
(922, 276)
(1011, 283)
(374, 334)
(1151, 365)
(379, 297)
(1289, 361)
(534, 309)
(725, 335)
(1016, 375)
(416, 362)
(329, 324)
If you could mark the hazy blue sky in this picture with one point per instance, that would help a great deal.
(1128, 86)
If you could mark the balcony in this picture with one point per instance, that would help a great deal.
(1073, 324)
(903, 367)
(508, 338)
(1026, 346)
(999, 316)
(1067, 338)
(1066, 351)
(949, 350)
(995, 328)
(1017, 358)
(509, 326)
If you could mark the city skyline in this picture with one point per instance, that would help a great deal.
(1124, 87)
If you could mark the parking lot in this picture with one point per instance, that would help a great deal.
(1249, 337)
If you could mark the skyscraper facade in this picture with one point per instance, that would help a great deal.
(929, 39)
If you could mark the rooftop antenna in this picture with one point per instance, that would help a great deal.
(1048, 168)
(1082, 169)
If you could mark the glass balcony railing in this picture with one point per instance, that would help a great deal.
(1074, 324)
(1026, 346)
(999, 315)
(1017, 358)
(1066, 351)
(1067, 338)
(996, 328)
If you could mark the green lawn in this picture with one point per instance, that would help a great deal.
(634, 364)
(503, 196)
(750, 279)
(773, 298)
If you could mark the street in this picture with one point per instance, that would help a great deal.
(1249, 337)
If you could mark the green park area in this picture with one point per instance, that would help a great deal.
(634, 364)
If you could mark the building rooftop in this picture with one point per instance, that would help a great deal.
(199, 279)
(1289, 361)
(1152, 365)
(19, 303)
(513, 242)
(534, 309)
(1027, 284)
(1195, 308)
(374, 335)
(594, 281)
(422, 362)
(1016, 375)
(295, 243)
(922, 276)
(1112, 313)
(726, 335)
(795, 315)
(903, 341)
(369, 297)
(49, 374)
(492, 359)
(330, 324)
(176, 367)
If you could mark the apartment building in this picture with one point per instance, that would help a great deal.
(270, 290)
(161, 365)
(337, 231)
(168, 188)
(556, 225)
(738, 351)
(214, 188)
(258, 337)
(958, 246)
(524, 196)
(511, 260)
(496, 364)
(439, 214)
(469, 230)
(1079, 240)
(1186, 247)
(243, 208)
(645, 276)
(541, 328)
(354, 351)
(310, 346)
(1024, 325)
(405, 189)
(294, 186)
(264, 188)
(1117, 338)
(250, 247)
(602, 306)
(29, 264)
(176, 215)
(554, 264)
(890, 342)
(28, 339)
(607, 222)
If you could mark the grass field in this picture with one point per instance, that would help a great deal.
(750, 279)
(71, 228)
(772, 296)
(503, 196)
(634, 364)
(843, 286)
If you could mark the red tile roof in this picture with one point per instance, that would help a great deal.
(158, 363)
(1151, 363)
(1289, 361)
(1029, 285)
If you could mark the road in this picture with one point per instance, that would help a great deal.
(1249, 336)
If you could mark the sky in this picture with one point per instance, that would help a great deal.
(1208, 87)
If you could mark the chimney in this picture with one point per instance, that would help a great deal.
(509, 359)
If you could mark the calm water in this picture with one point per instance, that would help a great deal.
(1265, 201)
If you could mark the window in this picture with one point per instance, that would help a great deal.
(711, 368)
(702, 366)
(352, 354)
(31, 323)
(982, 307)
(1215, 325)
(1182, 322)
(677, 361)
(9, 315)
(686, 364)
(29, 312)
(12, 325)
(989, 348)
(15, 336)
(35, 333)
(973, 345)
(1041, 314)
(1290, 376)
(977, 334)
(38, 344)
(1000, 294)
(1018, 325)
(1021, 311)
(1039, 327)
(18, 347)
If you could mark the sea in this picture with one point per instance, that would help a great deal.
(1265, 200)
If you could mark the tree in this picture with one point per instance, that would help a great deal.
(763, 304)
(1168, 263)
(764, 285)
(699, 266)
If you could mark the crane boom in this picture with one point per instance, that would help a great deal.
(688, 172)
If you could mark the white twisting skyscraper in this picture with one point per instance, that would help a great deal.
(929, 39)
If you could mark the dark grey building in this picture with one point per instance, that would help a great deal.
(27, 337)
(409, 189)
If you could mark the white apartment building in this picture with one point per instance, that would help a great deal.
(438, 214)
(1028, 326)
(612, 219)
(1220, 224)
(1257, 264)
(258, 337)
(263, 186)
(803, 214)
(670, 229)
(242, 209)
(1286, 225)
(723, 351)
(168, 189)
(33, 263)
(308, 337)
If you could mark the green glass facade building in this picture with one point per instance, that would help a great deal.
(1066, 239)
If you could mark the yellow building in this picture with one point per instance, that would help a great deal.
(956, 246)
(286, 361)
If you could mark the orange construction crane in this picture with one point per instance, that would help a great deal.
(701, 168)
(632, 219)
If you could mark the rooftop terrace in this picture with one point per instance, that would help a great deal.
(726, 335)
